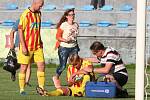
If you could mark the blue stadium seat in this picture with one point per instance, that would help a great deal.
(85, 23)
(107, 8)
(11, 6)
(126, 7)
(47, 23)
(103, 23)
(68, 7)
(87, 8)
(8, 22)
(122, 24)
(49, 7)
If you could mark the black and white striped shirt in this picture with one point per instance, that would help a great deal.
(112, 56)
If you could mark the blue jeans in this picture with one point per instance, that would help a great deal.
(63, 54)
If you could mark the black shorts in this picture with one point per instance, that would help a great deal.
(120, 78)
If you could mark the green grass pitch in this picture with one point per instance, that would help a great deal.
(10, 90)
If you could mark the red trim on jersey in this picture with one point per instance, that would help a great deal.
(28, 30)
(37, 34)
(32, 33)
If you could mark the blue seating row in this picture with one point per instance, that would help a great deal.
(51, 7)
(84, 23)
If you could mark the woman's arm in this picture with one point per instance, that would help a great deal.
(59, 36)
(103, 70)
(92, 59)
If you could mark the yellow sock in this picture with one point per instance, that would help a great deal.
(21, 81)
(41, 79)
(57, 92)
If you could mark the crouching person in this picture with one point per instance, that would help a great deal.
(111, 65)
(76, 79)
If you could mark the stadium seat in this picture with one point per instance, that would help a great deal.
(103, 24)
(68, 7)
(126, 7)
(85, 23)
(11, 6)
(87, 8)
(49, 7)
(47, 24)
(8, 23)
(122, 24)
(107, 8)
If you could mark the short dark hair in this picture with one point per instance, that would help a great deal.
(97, 46)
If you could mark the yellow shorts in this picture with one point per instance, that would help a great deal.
(36, 56)
(77, 90)
(81, 89)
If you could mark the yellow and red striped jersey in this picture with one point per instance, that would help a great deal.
(30, 23)
(71, 70)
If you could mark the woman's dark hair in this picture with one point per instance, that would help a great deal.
(97, 46)
(63, 18)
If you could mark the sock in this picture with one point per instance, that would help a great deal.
(57, 92)
(41, 79)
(21, 81)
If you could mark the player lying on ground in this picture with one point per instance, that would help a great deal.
(76, 84)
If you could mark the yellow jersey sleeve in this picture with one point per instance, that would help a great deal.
(23, 20)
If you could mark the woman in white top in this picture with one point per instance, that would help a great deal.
(67, 31)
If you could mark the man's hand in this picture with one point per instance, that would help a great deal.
(24, 51)
(71, 81)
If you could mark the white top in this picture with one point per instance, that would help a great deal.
(69, 32)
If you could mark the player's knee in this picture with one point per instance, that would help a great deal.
(41, 66)
(23, 68)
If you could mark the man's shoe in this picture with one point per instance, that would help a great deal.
(22, 93)
(125, 93)
(41, 91)
(122, 93)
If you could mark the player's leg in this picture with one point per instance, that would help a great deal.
(28, 74)
(39, 59)
(23, 60)
(64, 91)
(63, 54)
